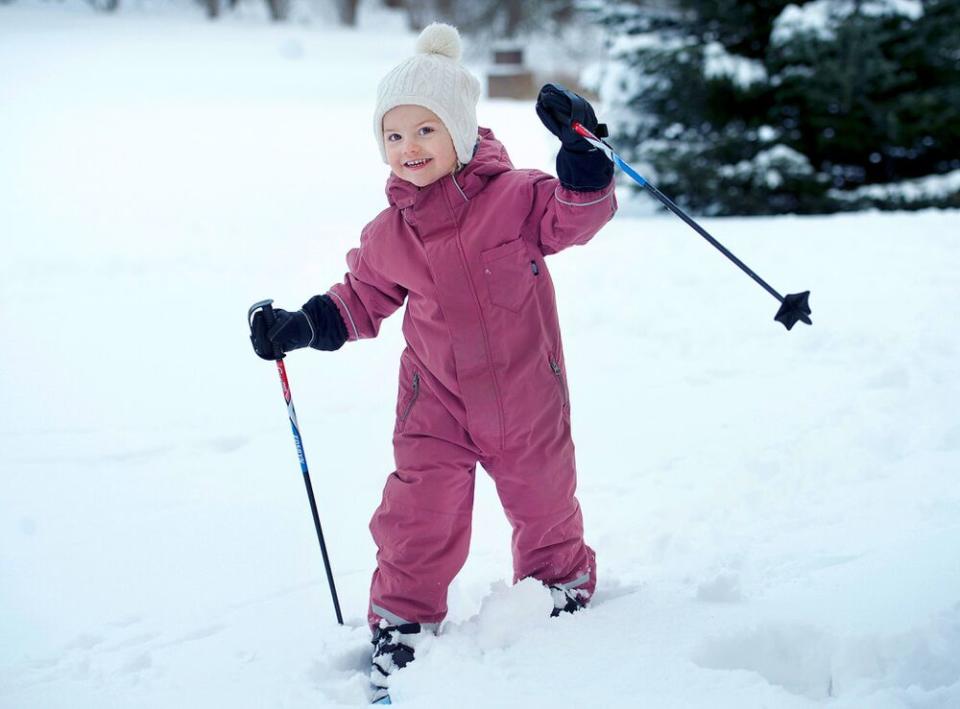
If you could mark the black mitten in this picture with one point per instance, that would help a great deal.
(289, 331)
(330, 332)
(318, 324)
(580, 166)
(558, 108)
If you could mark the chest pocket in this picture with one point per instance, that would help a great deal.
(510, 272)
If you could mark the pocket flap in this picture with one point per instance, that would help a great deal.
(502, 251)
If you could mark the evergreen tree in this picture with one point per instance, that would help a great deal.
(769, 107)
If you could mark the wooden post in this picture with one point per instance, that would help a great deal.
(507, 77)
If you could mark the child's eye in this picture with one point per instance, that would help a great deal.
(393, 137)
(426, 130)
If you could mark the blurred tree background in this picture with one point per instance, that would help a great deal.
(505, 18)
(732, 107)
(770, 107)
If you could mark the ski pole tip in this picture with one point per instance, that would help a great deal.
(795, 308)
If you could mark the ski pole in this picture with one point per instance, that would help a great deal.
(793, 306)
(267, 307)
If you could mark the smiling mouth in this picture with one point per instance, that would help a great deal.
(416, 164)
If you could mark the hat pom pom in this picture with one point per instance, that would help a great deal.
(439, 38)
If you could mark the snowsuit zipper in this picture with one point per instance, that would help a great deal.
(483, 324)
(413, 398)
(559, 375)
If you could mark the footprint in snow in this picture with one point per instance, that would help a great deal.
(342, 677)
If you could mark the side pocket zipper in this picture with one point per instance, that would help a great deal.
(413, 398)
(559, 375)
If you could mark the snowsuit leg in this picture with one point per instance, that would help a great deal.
(536, 481)
(422, 526)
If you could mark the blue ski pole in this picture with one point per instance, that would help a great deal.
(793, 306)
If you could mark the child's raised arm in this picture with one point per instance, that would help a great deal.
(571, 208)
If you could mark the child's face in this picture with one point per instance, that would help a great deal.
(419, 147)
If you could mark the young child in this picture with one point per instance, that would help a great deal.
(482, 376)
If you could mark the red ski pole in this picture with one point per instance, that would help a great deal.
(267, 307)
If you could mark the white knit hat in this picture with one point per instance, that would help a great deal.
(435, 79)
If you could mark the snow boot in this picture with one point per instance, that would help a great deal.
(566, 600)
(393, 649)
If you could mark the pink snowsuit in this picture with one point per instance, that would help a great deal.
(482, 376)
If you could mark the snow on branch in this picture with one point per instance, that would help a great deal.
(742, 71)
(821, 17)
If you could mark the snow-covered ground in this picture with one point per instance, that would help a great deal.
(776, 515)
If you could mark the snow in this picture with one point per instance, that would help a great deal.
(769, 163)
(812, 18)
(821, 17)
(910, 9)
(628, 44)
(776, 515)
(924, 188)
(767, 133)
(743, 72)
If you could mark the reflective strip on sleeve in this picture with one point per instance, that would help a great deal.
(581, 204)
(349, 316)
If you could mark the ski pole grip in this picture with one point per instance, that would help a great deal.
(260, 305)
(270, 318)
